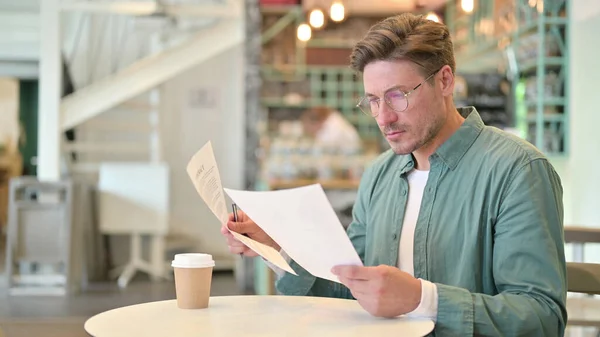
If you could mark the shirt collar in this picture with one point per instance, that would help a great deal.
(453, 149)
(406, 163)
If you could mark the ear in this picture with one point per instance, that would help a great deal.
(446, 78)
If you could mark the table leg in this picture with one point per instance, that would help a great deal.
(157, 258)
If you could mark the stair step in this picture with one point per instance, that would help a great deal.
(148, 73)
(117, 126)
(139, 106)
(122, 114)
(108, 147)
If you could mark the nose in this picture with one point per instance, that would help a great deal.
(386, 115)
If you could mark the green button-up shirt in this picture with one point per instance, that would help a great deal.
(489, 234)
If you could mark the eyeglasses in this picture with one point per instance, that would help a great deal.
(395, 98)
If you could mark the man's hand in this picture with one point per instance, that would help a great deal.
(383, 291)
(245, 226)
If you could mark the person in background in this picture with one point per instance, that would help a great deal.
(458, 222)
(329, 129)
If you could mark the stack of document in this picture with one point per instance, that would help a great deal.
(301, 220)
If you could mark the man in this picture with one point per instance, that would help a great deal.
(458, 222)
(330, 129)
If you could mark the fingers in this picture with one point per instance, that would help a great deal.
(243, 227)
(224, 230)
(240, 215)
(236, 246)
(357, 287)
(242, 250)
(227, 233)
(353, 272)
(231, 241)
(362, 281)
(236, 226)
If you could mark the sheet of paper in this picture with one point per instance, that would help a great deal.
(267, 252)
(302, 221)
(204, 173)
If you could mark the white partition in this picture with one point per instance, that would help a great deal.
(133, 198)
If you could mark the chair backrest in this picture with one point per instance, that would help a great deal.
(583, 278)
(580, 234)
(133, 198)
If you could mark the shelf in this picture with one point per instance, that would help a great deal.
(514, 49)
(533, 26)
(531, 65)
(331, 43)
(335, 184)
(481, 48)
(360, 118)
(547, 102)
(307, 103)
(278, 9)
(337, 87)
(462, 20)
(281, 103)
(551, 118)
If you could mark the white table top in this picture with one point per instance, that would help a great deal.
(253, 316)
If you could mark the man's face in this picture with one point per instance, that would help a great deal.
(416, 126)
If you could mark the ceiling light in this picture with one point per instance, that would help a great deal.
(304, 32)
(337, 11)
(433, 17)
(467, 5)
(316, 18)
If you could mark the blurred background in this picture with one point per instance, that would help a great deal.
(103, 103)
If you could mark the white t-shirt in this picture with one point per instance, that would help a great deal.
(416, 186)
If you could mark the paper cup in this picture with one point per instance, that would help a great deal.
(193, 276)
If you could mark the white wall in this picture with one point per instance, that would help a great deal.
(580, 171)
(206, 103)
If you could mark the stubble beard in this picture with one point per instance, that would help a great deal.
(402, 148)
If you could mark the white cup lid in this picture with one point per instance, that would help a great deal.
(193, 260)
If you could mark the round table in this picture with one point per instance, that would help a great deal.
(253, 316)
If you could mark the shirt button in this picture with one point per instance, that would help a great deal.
(403, 192)
(430, 189)
(394, 236)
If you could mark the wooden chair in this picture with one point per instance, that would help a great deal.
(578, 236)
(583, 278)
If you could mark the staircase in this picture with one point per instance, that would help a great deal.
(129, 132)
(115, 112)
(115, 109)
(118, 53)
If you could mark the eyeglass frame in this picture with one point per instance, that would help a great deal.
(406, 94)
